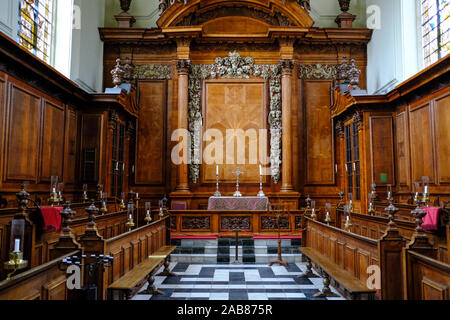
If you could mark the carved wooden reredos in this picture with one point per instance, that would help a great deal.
(290, 73)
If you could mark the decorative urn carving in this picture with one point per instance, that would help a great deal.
(125, 5)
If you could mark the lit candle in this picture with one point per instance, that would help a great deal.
(131, 217)
(425, 190)
(16, 245)
(137, 195)
(54, 190)
(217, 170)
(260, 170)
(347, 218)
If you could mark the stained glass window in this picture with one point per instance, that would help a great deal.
(35, 27)
(435, 30)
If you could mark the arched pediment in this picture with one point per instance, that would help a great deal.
(183, 13)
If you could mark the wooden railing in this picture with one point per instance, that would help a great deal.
(45, 282)
(128, 249)
(425, 278)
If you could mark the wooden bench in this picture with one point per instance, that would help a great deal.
(354, 287)
(130, 284)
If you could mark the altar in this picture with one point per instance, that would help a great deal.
(238, 203)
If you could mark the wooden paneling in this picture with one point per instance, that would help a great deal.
(150, 150)
(235, 105)
(442, 116)
(91, 135)
(402, 149)
(70, 159)
(319, 134)
(23, 134)
(53, 141)
(421, 132)
(382, 149)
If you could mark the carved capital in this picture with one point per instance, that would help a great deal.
(287, 65)
(358, 119)
(183, 66)
(113, 117)
(340, 129)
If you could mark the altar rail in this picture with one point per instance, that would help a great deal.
(217, 221)
(45, 282)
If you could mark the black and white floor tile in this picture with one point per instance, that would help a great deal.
(236, 282)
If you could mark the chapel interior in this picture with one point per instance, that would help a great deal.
(224, 150)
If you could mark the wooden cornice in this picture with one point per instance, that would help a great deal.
(439, 71)
(300, 34)
(20, 63)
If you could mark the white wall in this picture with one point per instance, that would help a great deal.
(87, 48)
(9, 11)
(393, 51)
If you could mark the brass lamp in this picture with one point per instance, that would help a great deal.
(60, 190)
(16, 261)
(426, 195)
(104, 208)
(371, 209)
(148, 215)
(161, 210)
(347, 211)
(130, 222)
(350, 202)
(84, 197)
(122, 201)
(53, 200)
(313, 210)
(17, 238)
(327, 214)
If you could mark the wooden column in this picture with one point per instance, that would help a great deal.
(183, 100)
(287, 66)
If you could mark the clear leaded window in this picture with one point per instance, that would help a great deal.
(35, 27)
(435, 30)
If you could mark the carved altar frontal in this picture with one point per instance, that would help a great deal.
(238, 203)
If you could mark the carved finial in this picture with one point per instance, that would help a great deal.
(125, 5)
(92, 210)
(343, 69)
(353, 75)
(117, 74)
(345, 5)
(67, 214)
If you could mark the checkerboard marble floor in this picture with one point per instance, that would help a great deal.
(236, 282)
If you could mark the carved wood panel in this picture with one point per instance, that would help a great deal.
(238, 105)
(422, 159)
(442, 118)
(402, 150)
(150, 141)
(21, 158)
(235, 222)
(319, 135)
(70, 159)
(91, 137)
(270, 223)
(195, 223)
(382, 149)
(52, 141)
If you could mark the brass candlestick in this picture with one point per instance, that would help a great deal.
(148, 215)
(217, 194)
(391, 210)
(104, 208)
(327, 213)
(371, 208)
(341, 199)
(426, 195)
(15, 263)
(313, 210)
(130, 222)
(347, 212)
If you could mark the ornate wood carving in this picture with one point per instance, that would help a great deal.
(287, 65)
(270, 223)
(195, 223)
(317, 71)
(233, 223)
(340, 129)
(183, 65)
(151, 72)
(358, 119)
(234, 67)
(173, 222)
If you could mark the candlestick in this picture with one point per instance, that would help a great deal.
(217, 193)
(148, 216)
(327, 214)
(261, 191)
(16, 245)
